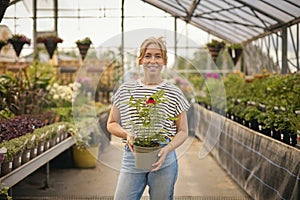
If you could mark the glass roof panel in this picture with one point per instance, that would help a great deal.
(286, 6)
(248, 18)
(261, 5)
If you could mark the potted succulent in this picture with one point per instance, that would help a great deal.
(83, 46)
(18, 41)
(148, 136)
(50, 42)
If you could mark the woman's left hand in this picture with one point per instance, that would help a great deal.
(162, 156)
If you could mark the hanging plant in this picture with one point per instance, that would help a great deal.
(83, 46)
(18, 41)
(50, 43)
(235, 51)
(214, 48)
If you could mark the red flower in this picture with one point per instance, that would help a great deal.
(150, 101)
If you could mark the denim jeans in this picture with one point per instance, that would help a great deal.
(132, 181)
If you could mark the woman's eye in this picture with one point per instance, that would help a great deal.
(158, 56)
(147, 56)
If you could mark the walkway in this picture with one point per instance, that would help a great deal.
(198, 178)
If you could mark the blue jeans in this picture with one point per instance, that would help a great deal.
(132, 181)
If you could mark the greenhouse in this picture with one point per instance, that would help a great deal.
(234, 63)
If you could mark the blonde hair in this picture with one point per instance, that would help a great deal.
(159, 42)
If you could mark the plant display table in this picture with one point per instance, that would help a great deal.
(26, 169)
(264, 167)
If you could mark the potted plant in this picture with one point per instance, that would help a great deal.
(148, 136)
(50, 42)
(18, 41)
(86, 150)
(83, 46)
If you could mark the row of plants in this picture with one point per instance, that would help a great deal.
(50, 42)
(22, 149)
(267, 103)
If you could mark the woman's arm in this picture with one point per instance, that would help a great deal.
(113, 125)
(115, 128)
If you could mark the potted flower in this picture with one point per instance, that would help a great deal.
(18, 41)
(50, 42)
(83, 46)
(147, 133)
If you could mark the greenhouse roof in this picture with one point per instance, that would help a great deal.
(235, 21)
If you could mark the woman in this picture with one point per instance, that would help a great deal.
(161, 180)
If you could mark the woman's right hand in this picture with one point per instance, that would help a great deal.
(129, 142)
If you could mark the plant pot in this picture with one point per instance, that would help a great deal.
(41, 147)
(83, 49)
(145, 157)
(50, 47)
(17, 161)
(214, 52)
(85, 157)
(33, 152)
(25, 156)
(6, 167)
(1, 45)
(46, 145)
(18, 46)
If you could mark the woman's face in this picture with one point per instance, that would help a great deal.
(152, 61)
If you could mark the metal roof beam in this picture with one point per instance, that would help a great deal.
(192, 10)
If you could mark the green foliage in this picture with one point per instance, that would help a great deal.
(148, 134)
(85, 40)
(26, 94)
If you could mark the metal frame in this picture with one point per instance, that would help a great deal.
(235, 21)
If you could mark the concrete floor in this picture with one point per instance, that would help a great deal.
(197, 177)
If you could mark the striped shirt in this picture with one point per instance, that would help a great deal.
(176, 104)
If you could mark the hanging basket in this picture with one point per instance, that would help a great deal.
(83, 49)
(18, 46)
(237, 54)
(1, 45)
(50, 46)
(214, 52)
(3, 5)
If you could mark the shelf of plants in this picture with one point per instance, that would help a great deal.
(266, 103)
(24, 170)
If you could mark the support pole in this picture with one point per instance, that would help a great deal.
(55, 15)
(175, 41)
(122, 45)
(34, 7)
(284, 61)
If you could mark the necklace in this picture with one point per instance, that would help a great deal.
(151, 83)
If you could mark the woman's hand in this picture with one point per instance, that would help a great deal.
(129, 142)
(162, 156)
